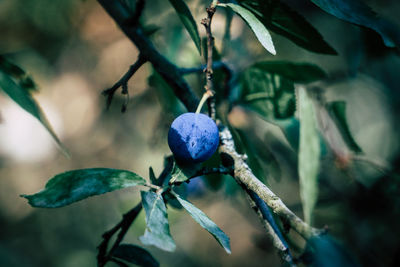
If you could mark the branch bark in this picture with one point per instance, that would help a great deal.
(244, 176)
(209, 69)
(124, 17)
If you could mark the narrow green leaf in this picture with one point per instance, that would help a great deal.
(357, 12)
(181, 173)
(282, 19)
(296, 72)
(206, 223)
(187, 20)
(25, 100)
(157, 232)
(257, 27)
(23, 78)
(152, 176)
(72, 186)
(136, 255)
(337, 110)
(309, 153)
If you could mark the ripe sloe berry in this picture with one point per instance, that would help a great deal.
(193, 138)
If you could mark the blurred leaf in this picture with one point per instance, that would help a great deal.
(181, 173)
(187, 20)
(216, 180)
(281, 19)
(309, 153)
(72, 186)
(268, 87)
(357, 12)
(150, 29)
(296, 72)
(24, 99)
(152, 176)
(136, 255)
(206, 223)
(254, 160)
(24, 79)
(325, 251)
(167, 98)
(270, 95)
(157, 231)
(256, 26)
(337, 110)
(291, 129)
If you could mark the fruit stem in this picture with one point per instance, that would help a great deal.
(206, 96)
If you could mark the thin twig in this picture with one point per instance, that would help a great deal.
(103, 256)
(216, 65)
(123, 82)
(209, 69)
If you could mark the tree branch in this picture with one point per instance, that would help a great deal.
(244, 176)
(123, 82)
(123, 17)
(103, 256)
(209, 69)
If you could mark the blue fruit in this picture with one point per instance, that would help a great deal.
(193, 138)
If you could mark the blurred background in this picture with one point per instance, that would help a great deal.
(73, 50)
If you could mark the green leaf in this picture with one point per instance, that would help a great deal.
(337, 110)
(270, 95)
(326, 251)
(309, 153)
(256, 26)
(24, 99)
(24, 79)
(150, 29)
(268, 87)
(283, 20)
(152, 176)
(187, 20)
(136, 255)
(181, 173)
(72, 186)
(296, 72)
(357, 12)
(206, 223)
(157, 231)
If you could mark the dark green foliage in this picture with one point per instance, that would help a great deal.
(296, 72)
(136, 255)
(187, 20)
(24, 79)
(181, 173)
(72, 186)
(206, 223)
(20, 93)
(157, 231)
(355, 11)
(324, 251)
(337, 110)
(281, 19)
(268, 87)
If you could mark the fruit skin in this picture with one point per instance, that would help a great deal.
(193, 138)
